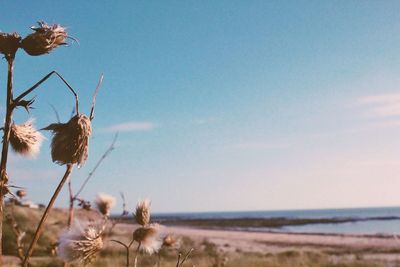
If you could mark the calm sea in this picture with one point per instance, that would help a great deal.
(387, 227)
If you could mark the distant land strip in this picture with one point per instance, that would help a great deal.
(259, 222)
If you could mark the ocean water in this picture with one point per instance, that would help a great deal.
(375, 222)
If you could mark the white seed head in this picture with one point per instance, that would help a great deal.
(149, 238)
(105, 203)
(81, 242)
(142, 214)
(25, 139)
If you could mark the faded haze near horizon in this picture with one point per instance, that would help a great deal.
(222, 105)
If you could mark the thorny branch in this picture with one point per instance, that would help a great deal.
(28, 91)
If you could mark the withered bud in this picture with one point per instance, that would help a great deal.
(169, 241)
(142, 214)
(9, 43)
(70, 142)
(44, 39)
(21, 193)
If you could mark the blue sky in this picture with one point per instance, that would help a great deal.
(223, 105)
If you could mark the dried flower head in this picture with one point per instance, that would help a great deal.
(148, 238)
(70, 142)
(44, 39)
(81, 242)
(25, 139)
(21, 193)
(142, 214)
(170, 241)
(9, 43)
(105, 203)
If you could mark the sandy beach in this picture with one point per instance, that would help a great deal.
(374, 247)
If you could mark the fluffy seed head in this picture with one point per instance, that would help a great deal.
(9, 43)
(142, 214)
(148, 237)
(105, 203)
(25, 139)
(70, 142)
(44, 39)
(81, 242)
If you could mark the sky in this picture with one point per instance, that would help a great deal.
(221, 105)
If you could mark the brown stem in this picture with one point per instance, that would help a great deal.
(28, 91)
(127, 247)
(71, 205)
(70, 211)
(46, 214)
(137, 254)
(6, 140)
(18, 235)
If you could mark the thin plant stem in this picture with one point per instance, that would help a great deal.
(158, 259)
(6, 140)
(137, 254)
(18, 234)
(28, 91)
(127, 247)
(39, 229)
(71, 204)
(103, 157)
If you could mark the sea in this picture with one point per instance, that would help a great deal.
(375, 221)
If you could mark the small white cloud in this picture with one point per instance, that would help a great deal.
(131, 127)
(384, 105)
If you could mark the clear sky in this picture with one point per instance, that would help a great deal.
(222, 105)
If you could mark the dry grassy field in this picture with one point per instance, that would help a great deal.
(211, 247)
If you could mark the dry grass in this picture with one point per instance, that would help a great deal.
(206, 254)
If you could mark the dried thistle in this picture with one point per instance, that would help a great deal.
(44, 39)
(9, 43)
(25, 139)
(105, 203)
(148, 238)
(81, 242)
(21, 193)
(170, 241)
(142, 214)
(70, 142)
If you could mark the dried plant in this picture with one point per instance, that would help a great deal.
(9, 43)
(81, 242)
(70, 143)
(44, 39)
(170, 241)
(142, 213)
(21, 193)
(148, 238)
(18, 234)
(25, 139)
(105, 203)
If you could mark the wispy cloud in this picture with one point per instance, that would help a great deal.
(131, 126)
(259, 146)
(383, 105)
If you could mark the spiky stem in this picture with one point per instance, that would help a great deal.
(46, 214)
(6, 140)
